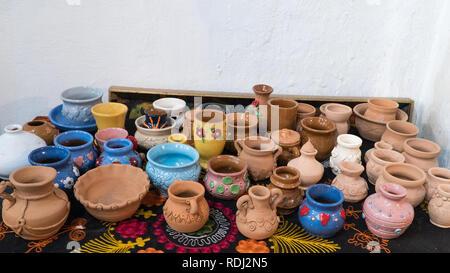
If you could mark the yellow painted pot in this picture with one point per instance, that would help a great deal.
(177, 138)
(209, 134)
(109, 115)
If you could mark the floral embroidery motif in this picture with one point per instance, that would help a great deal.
(252, 246)
(131, 228)
(150, 250)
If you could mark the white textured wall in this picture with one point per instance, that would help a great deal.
(311, 47)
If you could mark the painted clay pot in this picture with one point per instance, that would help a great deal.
(109, 115)
(77, 104)
(321, 213)
(289, 141)
(287, 114)
(387, 213)
(287, 179)
(311, 170)
(435, 177)
(170, 161)
(81, 147)
(111, 133)
(59, 159)
(119, 151)
(155, 119)
(261, 155)
(377, 146)
(240, 126)
(186, 209)
(350, 182)
(439, 207)
(36, 209)
(379, 109)
(188, 127)
(322, 133)
(43, 129)
(256, 217)
(378, 159)
(149, 138)
(421, 152)
(174, 107)
(339, 113)
(347, 149)
(226, 177)
(177, 138)
(411, 177)
(262, 93)
(304, 110)
(397, 131)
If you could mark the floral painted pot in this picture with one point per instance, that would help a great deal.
(439, 207)
(397, 131)
(321, 213)
(81, 147)
(77, 104)
(148, 138)
(119, 151)
(109, 115)
(170, 161)
(347, 149)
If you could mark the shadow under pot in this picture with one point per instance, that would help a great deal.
(119, 151)
(287, 179)
(397, 131)
(421, 152)
(287, 114)
(322, 133)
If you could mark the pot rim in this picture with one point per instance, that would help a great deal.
(126, 146)
(99, 133)
(400, 114)
(413, 128)
(351, 167)
(13, 128)
(197, 185)
(227, 157)
(406, 167)
(89, 141)
(96, 93)
(393, 191)
(341, 112)
(140, 120)
(329, 188)
(435, 148)
(353, 141)
(318, 131)
(289, 169)
(382, 145)
(262, 89)
(122, 108)
(252, 120)
(186, 147)
(444, 189)
(394, 154)
(65, 157)
(435, 171)
(214, 119)
(266, 192)
(293, 102)
(302, 105)
(41, 183)
(255, 151)
(178, 105)
(383, 104)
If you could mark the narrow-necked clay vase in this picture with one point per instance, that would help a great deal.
(435, 177)
(43, 129)
(407, 175)
(186, 209)
(311, 170)
(119, 151)
(36, 209)
(380, 109)
(377, 146)
(240, 126)
(378, 159)
(439, 206)
(339, 113)
(421, 152)
(387, 213)
(322, 133)
(287, 179)
(289, 141)
(347, 149)
(350, 182)
(304, 110)
(286, 110)
(256, 217)
(397, 131)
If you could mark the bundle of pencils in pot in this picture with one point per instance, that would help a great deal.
(155, 119)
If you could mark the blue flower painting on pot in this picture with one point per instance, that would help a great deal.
(119, 151)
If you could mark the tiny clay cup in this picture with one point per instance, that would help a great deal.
(350, 182)
(304, 110)
(380, 109)
(177, 138)
(439, 207)
(287, 114)
(378, 159)
(397, 131)
(377, 146)
(421, 152)
(435, 177)
(339, 113)
(322, 133)
(287, 179)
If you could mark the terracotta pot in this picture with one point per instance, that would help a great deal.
(406, 175)
(421, 152)
(36, 209)
(397, 131)
(435, 177)
(347, 149)
(148, 138)
(439, 207)
(378, 159)
(111, 133)
(262, 93)
(287, 114)
(240, 126)
(381, 109)
(350, 182)
(43, 129)
(322, 133)
(322, 110)
(304, 110)
(256, 217)
(186, 209)
(387, 213)
(287, 179)
(188, 127)
(261, 154)
(377, 146)
(339, 113)
(289, 141)
(311, 170)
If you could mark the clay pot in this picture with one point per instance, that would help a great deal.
(174, 107)
(347, 149)
(287, 114)
(350, 182)
(304, 110)
(421, 152)
(435, 177)
(387, 213)
(156, 119)
(186, 209)
(262, 93)
(109, 115)
(381, 109)
(439, 207)
(289, 141)
(261, 154)
(148, 138)
(406, 175)
(119, 151)
(110, 133)
(256, 217)
(377, 146)
(378, 159)
(36, 209)
(43, 129)
(339, 113)
(77, 104)
(322, 133)
(240, 126)
(397, 131)
(311, 170)
(287, 179)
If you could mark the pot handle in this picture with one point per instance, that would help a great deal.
(279, 150)
(277, 197)
(4, 195)
(194, 206)
(295, 151)
(241, 204)
(238, 146)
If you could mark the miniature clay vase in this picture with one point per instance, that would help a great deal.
(435, 177)
(36, 209)
(226, 177)
(377, 146)
(387, 213)
(186, 209)
(43, 129)
(59, 159)
(289, 141)
(188, 127)
(256, 216)
(287, 179)
(262, 93)
(350, 182)
(111, 133)
(148, 138)
(347, 149)
(174, 107)
(421, 152)
(322, 133)
(321, 214)
(81, 147)
(339, 113)
(411, 177)
(311, 170)
(240, 126)
(119, 151)
(261, 155)
(155, 119)
(77, 104)
(397, 131)
(286, 109)
(380, 109)
(109, 115)
(378, 159)
(177, 138)
(260, 106)
(439, 206)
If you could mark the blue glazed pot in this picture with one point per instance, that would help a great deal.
(119, 151)
(170, 161)
(321, 213)
(59, 159)
(81, 147)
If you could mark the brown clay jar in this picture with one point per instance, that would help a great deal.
(421, 152)
(397, 131)
(262, 93)
(240, 126)
(378, 159)
(350, 182)
(379, 145)
(322, 133)
(439, 207)
(311, 170)
(304, 110)
(289, 141)
(435, 177)
(339, 113)
(43, 129)
(381, 109)
(287, 179)
(287, 114)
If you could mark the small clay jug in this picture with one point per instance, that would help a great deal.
(256, 217)
(43, 129)
(36, 209)
(339, 113)
(186, 209)
(287, 179)
(289, 141)
(350, 182)
(377, 146)
(322, 133)
(378, 159)
(407, 175)
(435, 177)
(311, 170)
(304, 110)
(379, 109)
(287, 114)
(439, 207)
(397, 131)
(347, 149)
(421, 152)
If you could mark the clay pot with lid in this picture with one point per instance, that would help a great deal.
(287, 179)
(240, 126)
(407, 175)
(289, 140)
(322, 133)
(350, 182)
(304, 110)
(311, 170)
(435, 177)
(380, 109)
(379, 145)
(397, 131)
(43, 129)
(439, 207)
(339, 113)
(378, 159)
(421, 152)
(287, 114)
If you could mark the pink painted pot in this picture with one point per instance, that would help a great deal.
(111, 133)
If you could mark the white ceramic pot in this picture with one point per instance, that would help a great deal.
(347, 149)
(175, 108)
(147, 138)
(77, 104)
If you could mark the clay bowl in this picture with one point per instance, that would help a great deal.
(113, 192)
(370, 129)
(322, 133)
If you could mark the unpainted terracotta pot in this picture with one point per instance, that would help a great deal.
(350, 182)
(304, 110)
(435, 177)
(287, 179)
(186, 209)
(397, 131)
(439, 207)
(262, 93)
(380, 109)
(43, 129)
(311, 170)
(287, 114)
(421, 152)
(322, 110)
(289, 141)
(240, 126)
(377, 146)
(339, 113)
(378, 159)
(322, 133)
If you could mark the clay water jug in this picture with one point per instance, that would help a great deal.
(311, 170)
